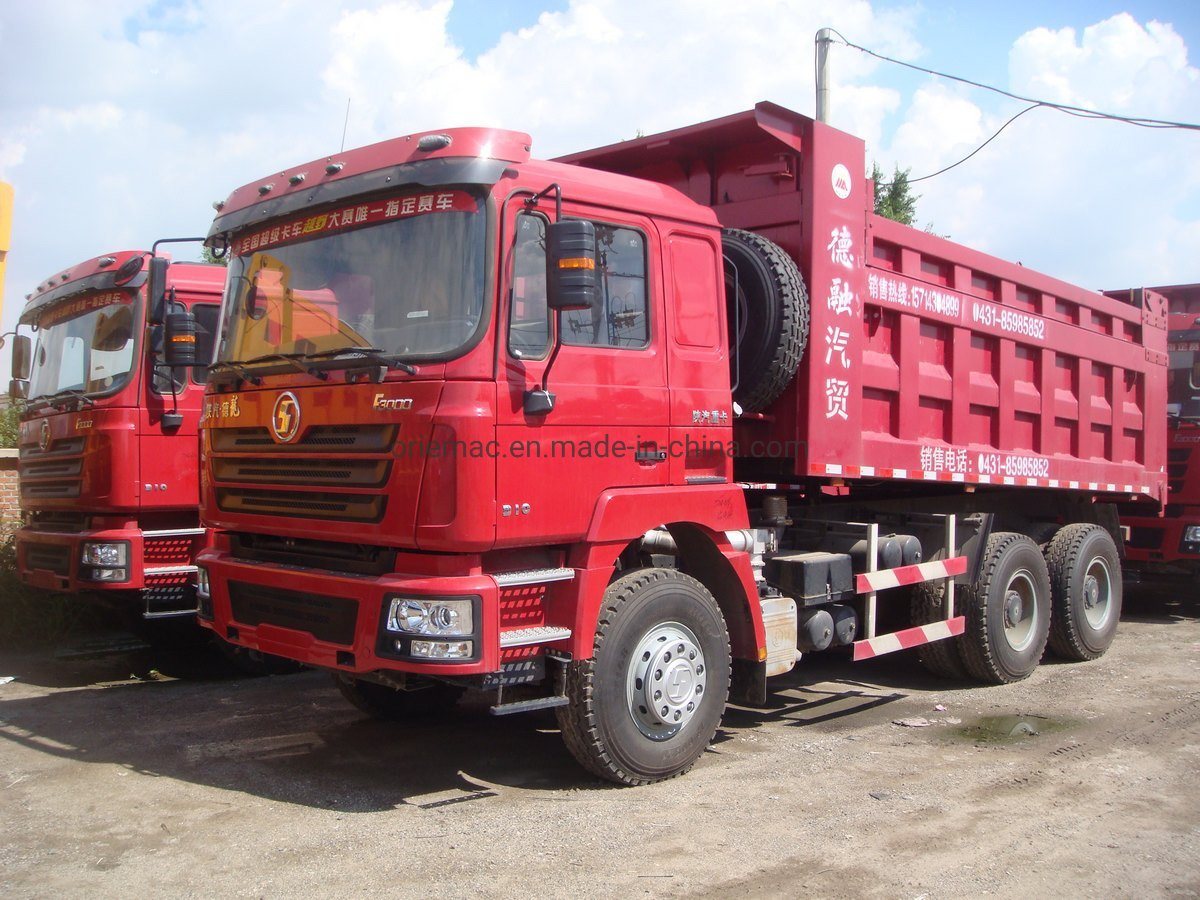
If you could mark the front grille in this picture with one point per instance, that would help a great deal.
(342, 507)
(354, 559)
(49, 491)
(68, 447)
(277, 475)
(316, 472)
(55, 558)
(59, 520)
(330, 619)
(51, 474)
(53, 468)
(317, 439)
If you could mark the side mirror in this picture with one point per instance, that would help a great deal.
(22, 354)
(156, 289)
(571, 281)
(18, 389)
(179, 344)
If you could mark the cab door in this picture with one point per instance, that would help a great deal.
(609, 425)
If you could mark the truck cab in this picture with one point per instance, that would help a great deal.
(108, 450)
(1165, 550)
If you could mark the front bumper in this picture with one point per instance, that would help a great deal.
(335, 621)
(1162, 541)
(160, 564)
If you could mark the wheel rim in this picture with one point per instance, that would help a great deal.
(1097, 593)
(1021, 611)
(666, 680)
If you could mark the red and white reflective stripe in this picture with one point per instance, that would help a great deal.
(833, 470)
(908, 638)
(926, 571)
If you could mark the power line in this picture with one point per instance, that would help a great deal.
(1140, 121)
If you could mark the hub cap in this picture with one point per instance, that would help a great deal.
(1020, 611)
(666, 680)
(1097, 593)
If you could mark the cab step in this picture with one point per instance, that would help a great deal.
(540, 634)
(533, 576)
(520, 706)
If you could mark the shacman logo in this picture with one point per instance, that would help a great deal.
(44, 435)
(285, 418)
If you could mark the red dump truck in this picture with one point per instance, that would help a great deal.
(1165, 552)
(626, 433)
(109, 448)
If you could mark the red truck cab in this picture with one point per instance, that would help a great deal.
(1166, 550)
(109, 439)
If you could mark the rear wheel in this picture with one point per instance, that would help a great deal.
(1007, 610)
(1085, 582)
(649, 701)
(941, 658)
(383, 702)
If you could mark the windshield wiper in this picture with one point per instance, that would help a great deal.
(368, 352)
(243, 373)
(292, 359)
(66, 394)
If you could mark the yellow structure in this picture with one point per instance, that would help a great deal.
(6, 209)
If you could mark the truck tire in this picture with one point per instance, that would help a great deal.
(383, 702)
(1085, 584)
(649, 701)
(767, 309)
(941, 658)
(1007, 610)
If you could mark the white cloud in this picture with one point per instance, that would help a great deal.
(1098, 203)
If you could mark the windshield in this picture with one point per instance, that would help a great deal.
(84, 344)
(1183, 385)
(403, 274)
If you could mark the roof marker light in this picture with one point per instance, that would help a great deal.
(218, 205)
(430, 142)
(333, 168)
(128, 269)
(297, 178)
(106, 261)
(265, 189)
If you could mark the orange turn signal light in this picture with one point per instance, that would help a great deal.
(581, 262)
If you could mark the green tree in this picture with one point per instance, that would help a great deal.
(207, 255)
(10, 425)
(894, 199)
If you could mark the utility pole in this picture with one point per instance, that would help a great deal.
(6, 210)
(824, 39)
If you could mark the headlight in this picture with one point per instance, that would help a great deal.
(202, 581)
(434, 616)
(1191, 534)
(106, 575)
(111, 554)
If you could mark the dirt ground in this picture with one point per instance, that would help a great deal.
(275, 786)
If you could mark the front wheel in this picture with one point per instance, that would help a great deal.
(649, 701)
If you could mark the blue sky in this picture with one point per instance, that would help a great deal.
(120, 122)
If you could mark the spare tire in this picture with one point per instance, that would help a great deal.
(766, 305)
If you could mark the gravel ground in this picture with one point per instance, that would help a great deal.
(203, 786)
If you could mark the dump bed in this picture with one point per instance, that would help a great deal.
(926, 361)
